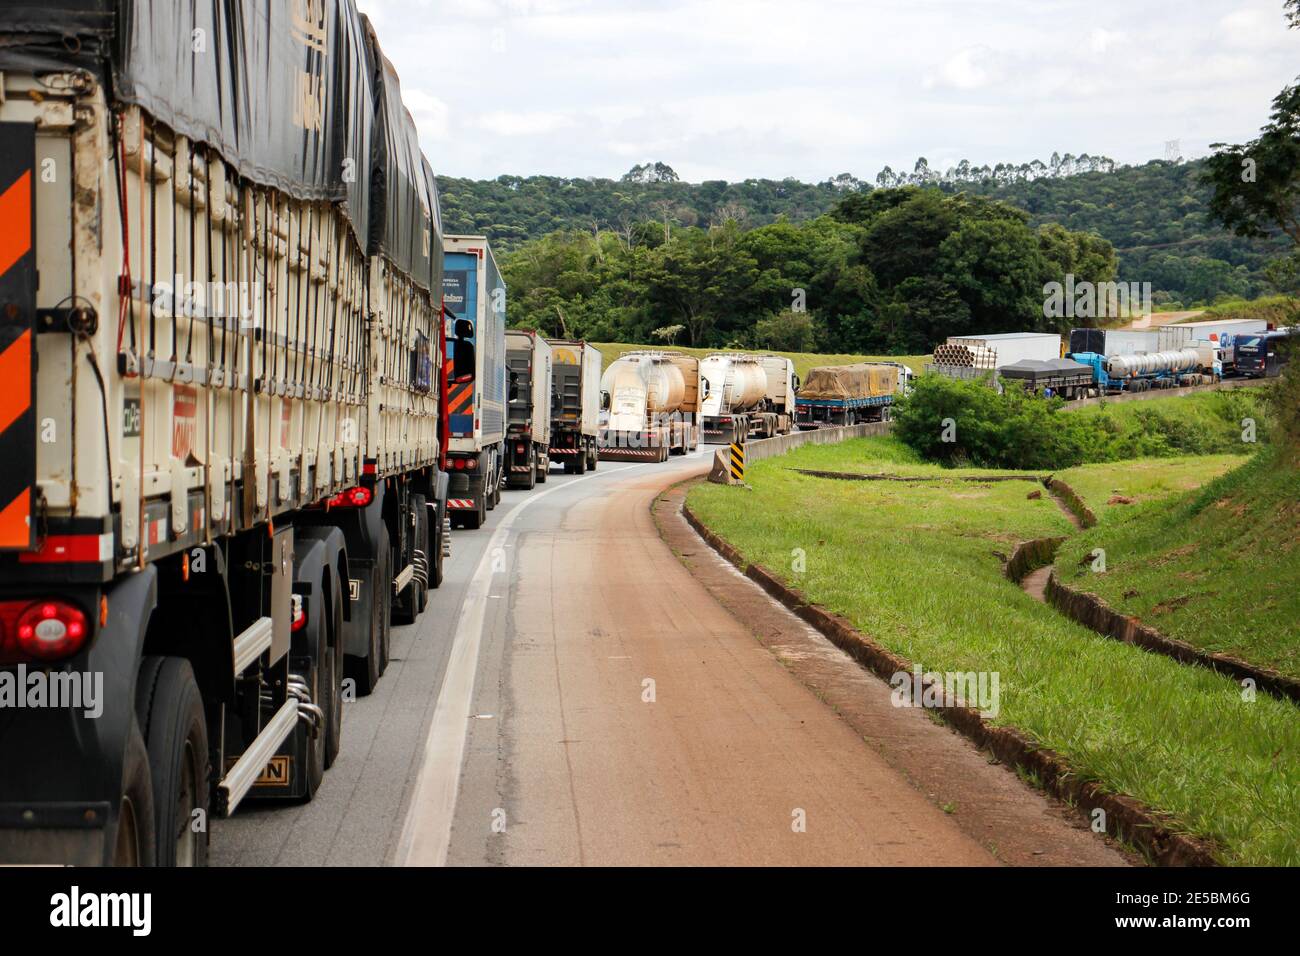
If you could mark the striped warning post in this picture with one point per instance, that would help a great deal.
(738, 460)
(17, 350)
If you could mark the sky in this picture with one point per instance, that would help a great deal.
(738, 89)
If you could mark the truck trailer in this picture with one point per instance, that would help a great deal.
(846, 395)
(746, 396)
(1007, 348)
(649, 406)
(220, 354)
(1183, 334)
(528, 429)
(575, 405)
(474, 296)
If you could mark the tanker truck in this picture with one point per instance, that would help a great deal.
(222, 398)
(1195, 365)
(745, 396)
(649, 404)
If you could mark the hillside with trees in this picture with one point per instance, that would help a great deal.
(1156, 215)
(886, 271)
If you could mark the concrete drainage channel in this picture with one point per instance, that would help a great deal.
(1126, 818)
(1030, 566)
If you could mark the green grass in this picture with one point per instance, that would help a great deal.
(803, 361)
(1204, 423)
(1144, 479)
(917, 567)
(1278, 309)
(1218, 568)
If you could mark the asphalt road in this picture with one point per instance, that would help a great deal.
(358, 815)
(574, 695)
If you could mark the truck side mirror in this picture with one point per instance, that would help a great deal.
(514, 385)
(798, 383)
(604, 401)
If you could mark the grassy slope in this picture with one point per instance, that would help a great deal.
(1218, 568)
(914, 566)
(1145, 479)
(803, 361)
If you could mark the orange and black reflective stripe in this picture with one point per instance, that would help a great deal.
(17, 349)
(460, 398)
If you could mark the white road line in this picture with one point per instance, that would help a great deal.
(426, 833)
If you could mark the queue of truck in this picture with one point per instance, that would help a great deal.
(250, 386)
(1091, 362)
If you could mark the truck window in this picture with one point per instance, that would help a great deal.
(463, 361)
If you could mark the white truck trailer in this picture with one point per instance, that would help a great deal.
(220, 409)
(1011, 347)
(746, 396)
(575, 405)
(474, 295)
(528, 415)
(649, 402)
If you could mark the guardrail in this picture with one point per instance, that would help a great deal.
(762, 448)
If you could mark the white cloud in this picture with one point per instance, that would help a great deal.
(741, 88)
(429, 112)
(969, 69)
(506, 123)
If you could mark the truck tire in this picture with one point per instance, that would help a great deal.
(367, 671)
(475, 519)
(133, 830)
(385, 579)
(436, 560)
(313, 667)
(580, 464)
(423, 542)
(169, 708)
(407, 605)
(334, 712)
(543, 467)
(534, 467)
(593, 456)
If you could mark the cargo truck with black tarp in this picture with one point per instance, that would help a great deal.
(474, 300)
(528, 430)
(575, 405)
(221, 263)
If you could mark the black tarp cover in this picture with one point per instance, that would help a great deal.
(281, 88)
(404, 222)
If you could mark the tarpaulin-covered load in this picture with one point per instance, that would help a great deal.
(839, 382)
(1033, 370)
(403, 222)
(280, 88)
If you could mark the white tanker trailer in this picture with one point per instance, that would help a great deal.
(649, 401)
(746, 396)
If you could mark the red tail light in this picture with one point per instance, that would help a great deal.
(41, 631)
(458, 464)
(357, 497)
(471, 464)
(299, 620)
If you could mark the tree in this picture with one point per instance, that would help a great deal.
(786, 332)
(1293, 13)
(996, 267)
(1256, 187)
(903, 241)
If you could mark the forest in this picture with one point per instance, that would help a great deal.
(885, 271)
(1156, 215)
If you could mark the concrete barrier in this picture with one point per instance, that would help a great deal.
(762, 448)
